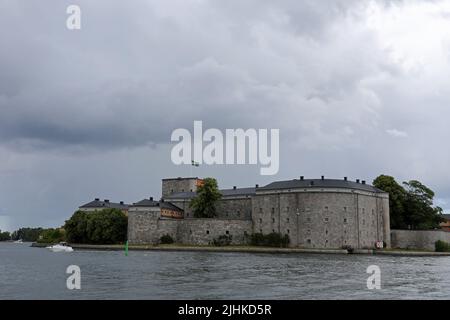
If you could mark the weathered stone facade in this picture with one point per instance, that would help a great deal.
(177, 185)
(227, 207)
(313, 213)
(418, 239)
(145, 226)
(329, 218)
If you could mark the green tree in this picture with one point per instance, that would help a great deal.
(107, 226)
(397, 197)
(52, 235)
(204, 203)
(419, 206)
(76, 227)
(27, 234)
(410, 205)
(5, 236)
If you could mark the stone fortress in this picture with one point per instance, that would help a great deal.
(314, 213)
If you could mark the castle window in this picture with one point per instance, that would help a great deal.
(326, 231)
(308, 231)
(260, 210)
(287, 219)
(207, 231)
(273, 210)
(227, 232)
(273, 230)
(345, 220)
(171, 190)
(273, 220)
(260, 220)
(308, 219)
(288, 230)
(326, 219)
(260, 230)
(190, 231)
(182, 190)
(287, 209)
(308, 241)
(326, 208)
(345, 209)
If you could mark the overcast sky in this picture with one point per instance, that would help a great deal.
(357, 89)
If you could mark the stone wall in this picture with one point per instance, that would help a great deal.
(234, 208)
(227, 207)
(414, 239)
(204, 231)
(147, 228)
(323, 219)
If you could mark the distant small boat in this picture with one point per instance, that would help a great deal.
(60, 247)
(18, 241)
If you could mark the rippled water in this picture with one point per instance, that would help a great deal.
(36, 273)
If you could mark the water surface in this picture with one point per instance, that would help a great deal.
(37, 273)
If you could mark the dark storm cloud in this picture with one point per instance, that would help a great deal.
(133, 73)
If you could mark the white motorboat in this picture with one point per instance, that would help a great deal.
(60, 247)
(18, 241)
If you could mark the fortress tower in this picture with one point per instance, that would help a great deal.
(177, 185)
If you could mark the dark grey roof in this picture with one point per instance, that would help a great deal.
(160, 204)
(446, 216)
(224, 192)
(168, 205)
(105, 204)
(146, 203)
(319, 183)
(237, 192)
(179, 178)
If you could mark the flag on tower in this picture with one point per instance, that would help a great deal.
(195, 163)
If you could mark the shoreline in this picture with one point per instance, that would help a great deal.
(247, 249)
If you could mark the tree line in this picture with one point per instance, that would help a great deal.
(107, 226)
(410, 204)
